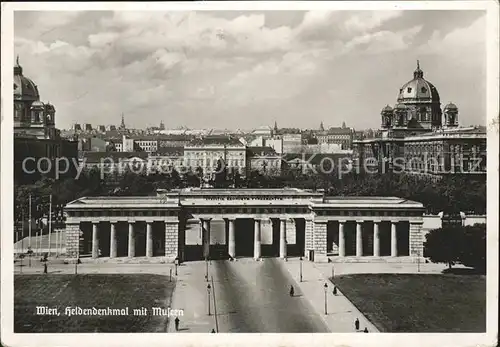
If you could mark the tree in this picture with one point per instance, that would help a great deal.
(473, 252)
(220, 176)
(444, 245)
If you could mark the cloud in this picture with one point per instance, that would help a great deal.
(382, 41)
(203, 69)
(458, 41)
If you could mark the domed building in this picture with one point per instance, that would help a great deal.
(426, 138)
(32, 118)
(37, 141)
(418, 106)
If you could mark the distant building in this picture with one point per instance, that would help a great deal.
(115, 162)
(111, 128)
(275, 143)
(91, 144)
(77, 127)
(166, 159)
(291, 143)
(263, 159)
(339, 136)
(37, 141)
(101, 128)
(264, 131)
(418, 137)
(207, 151)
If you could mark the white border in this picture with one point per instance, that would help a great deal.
(348, 339)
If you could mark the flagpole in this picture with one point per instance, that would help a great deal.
(29, 225)
(50, 220)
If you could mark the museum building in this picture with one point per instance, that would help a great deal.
(197, 224)
(419, 137)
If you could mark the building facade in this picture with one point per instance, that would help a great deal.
(38, 145)
(206, 152)
(418, 137)
(342, 137)
(205, 223)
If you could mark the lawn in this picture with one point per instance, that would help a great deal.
(419, 302)
(86, 291)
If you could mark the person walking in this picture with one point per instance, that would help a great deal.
(44, 268)
(292, 291)
(366, 330)
(334, 290)
(176, 321)
(356, 324)
(213, 331)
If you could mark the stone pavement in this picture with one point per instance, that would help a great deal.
(341, 313)
(191, 296)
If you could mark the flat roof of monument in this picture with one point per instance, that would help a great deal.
(119, 202)
(367, 201)
(242, 191)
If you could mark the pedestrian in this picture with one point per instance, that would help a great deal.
(44, 268)
(213, 331)
(334, 290)
(291, 291)
(366, 330)
(356, 324)
(176, 323)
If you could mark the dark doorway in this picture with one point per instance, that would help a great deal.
(244, 237)
(403, 233)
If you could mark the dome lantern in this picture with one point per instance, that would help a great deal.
(418, 73)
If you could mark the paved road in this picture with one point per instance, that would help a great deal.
(254, 297)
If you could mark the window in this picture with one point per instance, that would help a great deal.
(424, 90)
(409, 89)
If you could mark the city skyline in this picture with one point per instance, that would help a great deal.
(242, 69)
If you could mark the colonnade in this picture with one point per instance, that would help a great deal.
(231, 242)
(113, 240)
(376, 238)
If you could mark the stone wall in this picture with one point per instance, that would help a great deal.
(291, 232)
(416, 239)
(320, 238)
(266, 232)
(72, 239)
(309, 237)
(171, 239)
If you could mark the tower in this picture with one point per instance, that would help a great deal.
(321, 127)
(122, 125)
(450, 115)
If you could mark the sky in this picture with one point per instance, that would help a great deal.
(245, 69)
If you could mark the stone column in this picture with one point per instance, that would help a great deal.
(112, 244)
(149, 239)
(131, 240)
(231, 242)
(256, 239)
(95, 240)
(341, 238)
(282, 238)
(394, 240)
(376, 238)
(206, 237)
(359, 238)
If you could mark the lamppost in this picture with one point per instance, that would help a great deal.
(175, 267)
(326, 289)
(300, 268)
(206, 269)
(208, 297)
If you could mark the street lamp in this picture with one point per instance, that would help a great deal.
(300, 269)
(326, 289)
(206, 269)
(208, 291)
